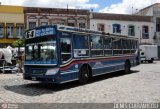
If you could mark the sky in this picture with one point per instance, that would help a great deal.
(103, 6)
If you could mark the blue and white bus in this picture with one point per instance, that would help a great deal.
(60, 54)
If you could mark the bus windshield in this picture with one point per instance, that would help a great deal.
(42, 52)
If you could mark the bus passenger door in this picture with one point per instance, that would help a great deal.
(65, 46)
(66, 56)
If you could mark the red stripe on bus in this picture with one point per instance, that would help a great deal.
(91, 60)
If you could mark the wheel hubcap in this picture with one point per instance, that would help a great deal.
(84, 75)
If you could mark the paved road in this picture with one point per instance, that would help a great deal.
(142, 85)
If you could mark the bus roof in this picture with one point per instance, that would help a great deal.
(88, 31)
(82, 31)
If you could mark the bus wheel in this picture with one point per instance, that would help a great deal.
(84, 75)
(151, 61)
(127, 67)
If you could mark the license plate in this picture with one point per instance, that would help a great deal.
(34, 78)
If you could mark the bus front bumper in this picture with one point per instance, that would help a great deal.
(48, 79)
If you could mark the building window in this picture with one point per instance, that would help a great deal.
(71, 24)
(1, 30)
(116, 28)
(157, 24)
(145, 32)
(32, 25)
(81, 22)
(19, 30)
(44, 23)
(100, 27)
(58, 21)
(131, 30)
(82, 25)
(62, 22)
(10, 30)
(158, 27)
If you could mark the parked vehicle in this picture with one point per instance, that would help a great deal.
(148, 53)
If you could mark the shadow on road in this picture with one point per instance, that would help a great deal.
(37, 89)
(155, 62)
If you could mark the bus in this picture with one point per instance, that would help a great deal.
(59, 54)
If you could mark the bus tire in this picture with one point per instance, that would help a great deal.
(84, 75)
(127, 67)
(150, 61)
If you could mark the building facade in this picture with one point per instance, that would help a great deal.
(154, 12)
(11, 24)
(145, 25)
(48, 16)
(140, 27)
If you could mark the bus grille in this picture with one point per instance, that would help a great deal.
(38, 72)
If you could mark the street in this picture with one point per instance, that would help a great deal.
(142, 85)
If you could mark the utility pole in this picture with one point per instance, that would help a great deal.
(67, 12)
(139, 35)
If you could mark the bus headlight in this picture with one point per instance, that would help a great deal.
(52, 71)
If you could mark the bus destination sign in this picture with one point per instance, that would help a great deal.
(43, 31)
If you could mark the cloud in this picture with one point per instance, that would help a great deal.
(11, 2)
(88, 6)
(128, 6)
(82, 4)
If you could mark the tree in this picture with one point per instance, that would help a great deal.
(18, 43)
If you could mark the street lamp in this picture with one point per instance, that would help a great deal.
(132, 10)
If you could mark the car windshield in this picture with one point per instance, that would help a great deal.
(43, 52)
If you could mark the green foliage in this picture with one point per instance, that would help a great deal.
(18, 43)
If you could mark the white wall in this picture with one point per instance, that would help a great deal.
(153, 11)
(150, 12)
(124, 27)
(156, 15)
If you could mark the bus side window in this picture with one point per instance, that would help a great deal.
(117, 46)
(81, 45)
(96, 45)
(107, 42)
(65, 44)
